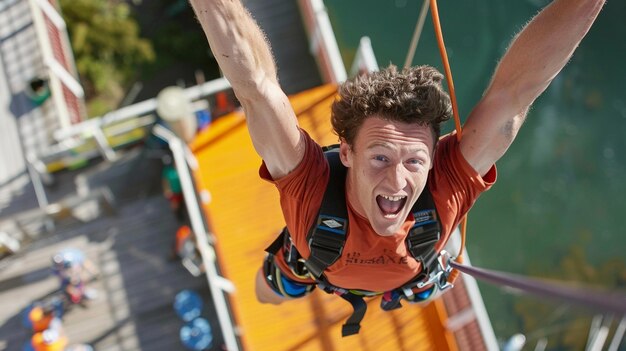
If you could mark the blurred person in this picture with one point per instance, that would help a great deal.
(74, 271)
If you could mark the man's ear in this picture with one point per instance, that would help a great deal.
(345, 153)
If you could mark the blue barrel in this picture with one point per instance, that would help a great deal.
(188, 305)
(196, 335)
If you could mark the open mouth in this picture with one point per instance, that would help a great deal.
(390, 206)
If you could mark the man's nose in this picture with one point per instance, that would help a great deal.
(397, 177)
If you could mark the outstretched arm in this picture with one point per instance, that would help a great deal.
(535, 57)
(246, 60)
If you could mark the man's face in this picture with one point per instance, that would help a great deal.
(388, 167)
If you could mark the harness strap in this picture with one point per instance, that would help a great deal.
(278, 242)
(425, 233)
(281, 284)
(327, 237)
(290, 254)
(353, 324)
(359, 307)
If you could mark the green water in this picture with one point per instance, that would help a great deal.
(561, 184)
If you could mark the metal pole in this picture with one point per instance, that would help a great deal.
(40, 191)
(103, 144)
(594, 329)
(618, 336)
(599, 339)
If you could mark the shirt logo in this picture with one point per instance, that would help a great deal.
(332, 223)
(423, 216)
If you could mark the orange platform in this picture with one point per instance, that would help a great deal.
(245, 217)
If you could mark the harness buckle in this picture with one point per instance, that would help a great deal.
(440, 275)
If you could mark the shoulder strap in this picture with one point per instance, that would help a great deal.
(425, 233)
(327, 236)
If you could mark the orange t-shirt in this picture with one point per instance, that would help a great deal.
(370, 261)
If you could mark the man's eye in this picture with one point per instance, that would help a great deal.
(415, 161)
(380, 158)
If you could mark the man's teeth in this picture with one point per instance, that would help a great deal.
(393, 198)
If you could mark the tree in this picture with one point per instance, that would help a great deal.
(107, 47)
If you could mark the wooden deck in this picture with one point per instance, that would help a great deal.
(136, 288)
(245, 217)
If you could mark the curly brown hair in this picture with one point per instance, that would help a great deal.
(413, 95)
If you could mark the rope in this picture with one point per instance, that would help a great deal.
(594, 299)
(416, 34)
(446, 65)
(455, 112)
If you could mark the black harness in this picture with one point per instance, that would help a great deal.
(327, 238)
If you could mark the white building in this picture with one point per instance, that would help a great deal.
(33, 45)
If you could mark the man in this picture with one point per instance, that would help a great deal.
(388, 124)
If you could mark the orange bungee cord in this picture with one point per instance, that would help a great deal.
(448, 73)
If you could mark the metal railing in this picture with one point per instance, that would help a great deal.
(365, 60)
(77, 134)
(184, 160)
(322, 40)
(475, 297)
(141, 109)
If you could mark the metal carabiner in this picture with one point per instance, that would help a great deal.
(445, 270)
(441, 274)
